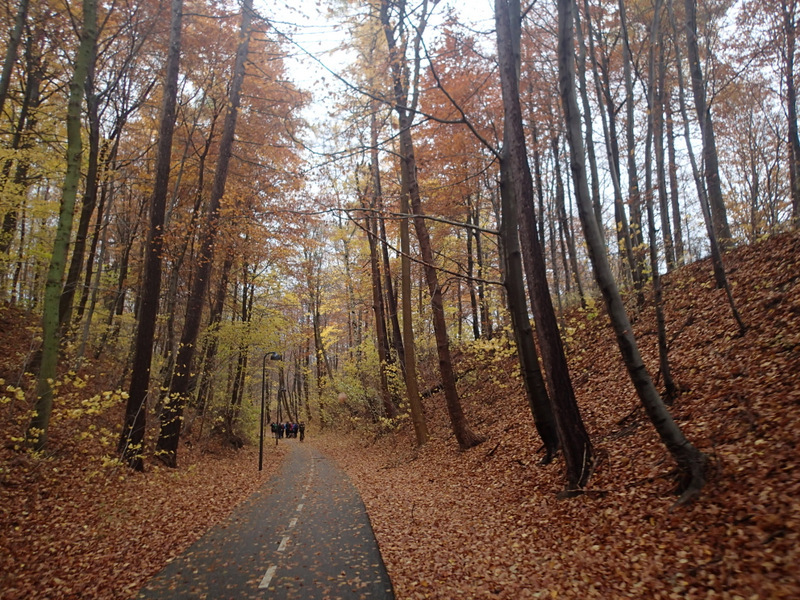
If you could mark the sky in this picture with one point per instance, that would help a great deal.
(317, 33)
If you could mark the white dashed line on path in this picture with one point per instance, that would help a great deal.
(265, 581)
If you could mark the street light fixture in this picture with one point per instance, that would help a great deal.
(271, 356)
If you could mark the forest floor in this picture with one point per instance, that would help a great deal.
(487, 523)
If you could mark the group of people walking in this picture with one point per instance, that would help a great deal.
(289, 430)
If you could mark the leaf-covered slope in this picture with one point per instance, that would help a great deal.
(487, 523)
(75, 524)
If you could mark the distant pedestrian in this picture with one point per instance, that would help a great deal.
(302, 428)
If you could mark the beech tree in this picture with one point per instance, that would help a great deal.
(720, 276)
(691, 462)
(404, 107)
(716, 202)
(518, 184)
(172, 412)
(132, 438)
(37, 430)
(654, 86)
(14, 38)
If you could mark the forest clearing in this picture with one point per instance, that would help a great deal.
(528, 271)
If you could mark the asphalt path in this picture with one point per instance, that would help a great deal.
(304, 535)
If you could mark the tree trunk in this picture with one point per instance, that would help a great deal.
(410, 189)
(634, 196)
(237, 389)
(608, 118)
(172, 412)
(378, 308)
(535, 388)
(788, 12)
(11, 50)
(588, 127)
(391, 298)
(569, 425)
(672, 171)
(87, 206)
(653, 130)
(691, 461)
(657, 82)
(720, 276)
(36, 435)
(209, 359)
(713, 185)
(131, 440)
(26, 124)
(473, 296)
(566, 228)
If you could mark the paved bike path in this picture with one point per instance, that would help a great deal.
(304, 535)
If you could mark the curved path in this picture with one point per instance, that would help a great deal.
(303, 536)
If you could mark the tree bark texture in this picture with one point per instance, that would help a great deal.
(713, 184)
(634, 192)
(654, 131)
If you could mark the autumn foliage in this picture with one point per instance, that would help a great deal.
(488, 522)
(342, 252)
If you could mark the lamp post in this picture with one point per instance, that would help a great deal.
(271, 356)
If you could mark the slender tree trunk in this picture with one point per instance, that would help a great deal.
(571, 432)
(11, 50)
(532, 377)
(657, 82)
(588, 127)
(26, 124)
(473, 296)
(464, 435)
(101, 221)
(381, 341)
(554, 260)
(407, 338)
(209, 359)
(36, 435)
(391, 299)
(172, 412)
(88, 205)
(672, 171)
(609, 121)
(486, 319)
(691, 461)
(572, 253)
(788, 12)
(237, 389)
(634, 195)
(720, 276)
(653, 130)
(713, 185)
(131, 442)
(116, 307)
(537, 173)
(568, 251)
